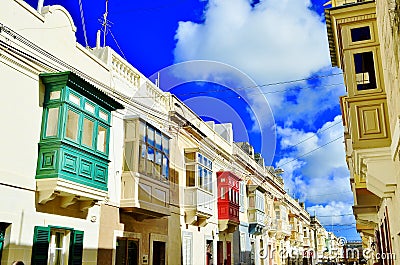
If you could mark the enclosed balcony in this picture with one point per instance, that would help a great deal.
(284, 229)
(256, 209)
(144, 196)
(145, 188)
(273, 228)
(228, 201)
(73, 149)
(306, 242)
(199, 206)
(198, 194)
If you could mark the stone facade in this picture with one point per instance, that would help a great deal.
(152, 209)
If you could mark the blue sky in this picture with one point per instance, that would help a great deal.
(252, 53)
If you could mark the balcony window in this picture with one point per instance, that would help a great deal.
(72, 125)
(242, 195)
(198, 171)
(365, 70)
(360, 34)
(223, 193)
(57, 246)
(52, 122)
(85, 130)
(153, 149)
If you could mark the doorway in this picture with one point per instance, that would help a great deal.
(220, 253)
(127, 251)
(209, 252)
(228, 253)
(158, 253)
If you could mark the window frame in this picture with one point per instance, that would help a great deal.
(351, 74)
(42, 239)
(201, 164)
(64, 105)
(347, 37)
(143, 143)
(137, 144)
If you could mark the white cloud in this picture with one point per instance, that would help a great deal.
(321, 176)
(274, 41)
(278, 41)
(333, 213)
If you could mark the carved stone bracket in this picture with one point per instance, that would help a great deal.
(47, 195)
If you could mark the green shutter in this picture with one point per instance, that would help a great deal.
(40, 248)
(76, 248)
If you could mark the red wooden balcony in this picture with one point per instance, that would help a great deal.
(228, 201)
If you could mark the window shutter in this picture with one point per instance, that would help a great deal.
(40, 246)
(187, 249)
(76, 248)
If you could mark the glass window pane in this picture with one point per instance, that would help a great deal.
(87, 134)
(89, 107)
(150, 160)
(190, 176)
(222, 193)
(72, 125)
(74, 99)
(52, 122)
(150, 154)
(103, 115)
(158, 158)
(101, 139)
(142, 131)
(209, 181)
(142, 158)
(165, 144)
(200, 177)
(158, 163)
(205, 182)
(360, 34)
(199, 158)
(365, 70)
(158, 140)
(165, 167)
(190, 157)
(55, 95)
(150, 135)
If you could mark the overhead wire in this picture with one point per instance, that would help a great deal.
(258, 86)
(119, 48)
(54, 63)
(313, 150)
(314, 135)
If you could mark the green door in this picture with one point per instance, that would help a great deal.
(3, 227)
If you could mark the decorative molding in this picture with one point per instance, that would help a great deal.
(395, 146)
(356, 18)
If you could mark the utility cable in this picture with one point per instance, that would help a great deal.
(305, 154)
(258, 86)
(122, 53)
(323, 130)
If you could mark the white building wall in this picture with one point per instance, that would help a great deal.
(21, 116)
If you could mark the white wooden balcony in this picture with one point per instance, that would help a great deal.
(145, 196)
(283, 228)
(199, 206)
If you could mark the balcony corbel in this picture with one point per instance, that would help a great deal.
(378, 169)
(47, 195)
(68, 200)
